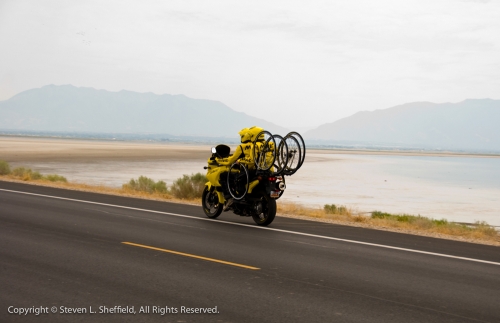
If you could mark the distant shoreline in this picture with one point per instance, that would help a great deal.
(203, 146)
(402, 153)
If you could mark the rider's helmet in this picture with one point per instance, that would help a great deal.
(245, 135)
(254, 131)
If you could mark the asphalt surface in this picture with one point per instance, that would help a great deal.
(63, 252)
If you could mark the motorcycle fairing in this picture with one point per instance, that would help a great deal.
(220, 195)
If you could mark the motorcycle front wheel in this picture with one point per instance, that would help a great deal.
(210, 203)
(268, 210)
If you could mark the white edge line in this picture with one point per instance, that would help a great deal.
(263, 228)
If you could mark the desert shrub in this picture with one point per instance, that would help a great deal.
(399, 217)
(380, 215)
(420, 221)
(20, 171)
(404, 218)
(4, 168)
(334, 209)
(26, 174)
(145, 184)
(440, 222)
(34, 175)
(55, 178)
(188, 187)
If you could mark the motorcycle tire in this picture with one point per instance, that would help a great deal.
(268, 210)
(210, 203)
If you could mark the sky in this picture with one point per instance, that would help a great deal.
(295, 63)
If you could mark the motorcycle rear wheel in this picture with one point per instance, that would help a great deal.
(210, 203)
(268, 210)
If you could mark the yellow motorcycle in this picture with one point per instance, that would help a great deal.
(250, 187)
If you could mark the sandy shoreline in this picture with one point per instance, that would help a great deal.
(25, 149)
(30, 149)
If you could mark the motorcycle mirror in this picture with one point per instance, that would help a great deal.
(214, 151)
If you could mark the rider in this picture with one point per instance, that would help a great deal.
(244, 152)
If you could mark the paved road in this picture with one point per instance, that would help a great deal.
(65, 252)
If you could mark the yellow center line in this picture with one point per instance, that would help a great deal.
(192, 256)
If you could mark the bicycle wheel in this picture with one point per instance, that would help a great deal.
(302, 146)
(294, 155)
(281, 155)
(264, 150)
(237, 181)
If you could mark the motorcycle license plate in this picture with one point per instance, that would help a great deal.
(275, 194)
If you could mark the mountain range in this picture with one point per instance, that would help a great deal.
(468, 125)
(472, 124)
(67, 108)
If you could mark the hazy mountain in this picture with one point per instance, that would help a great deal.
(70, 109)
(471, 124)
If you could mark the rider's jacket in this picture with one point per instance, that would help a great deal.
(244, 153)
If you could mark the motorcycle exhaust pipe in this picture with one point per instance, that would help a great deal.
(282, 186)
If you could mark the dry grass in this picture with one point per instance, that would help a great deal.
(479, 232)
(297, 209)
(142, 189)
(27, 174)
(104, 190)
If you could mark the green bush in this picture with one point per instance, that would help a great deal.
(440, 222)
(26, 174)
(188, 187)
(395, 217)
(333, 209)
(4, 168)
(56, 178)
(145, 184)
